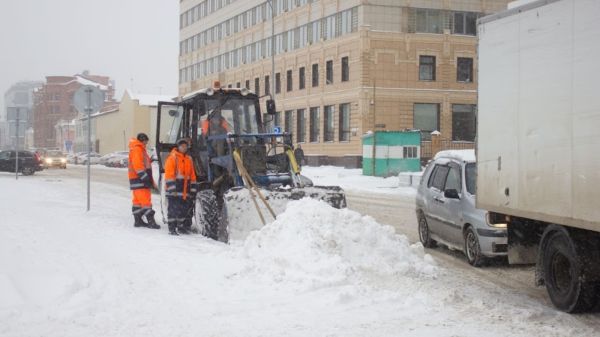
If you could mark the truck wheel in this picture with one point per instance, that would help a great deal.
(424, 233)
(208, 214)
(565, 276)
(472, 248)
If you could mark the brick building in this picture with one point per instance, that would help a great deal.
(53, 103)
(343, 68)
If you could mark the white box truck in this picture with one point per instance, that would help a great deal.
(538, 141)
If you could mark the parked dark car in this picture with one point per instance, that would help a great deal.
(29, 162)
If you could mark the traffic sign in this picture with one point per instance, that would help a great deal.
(88, 97)
(277, 130)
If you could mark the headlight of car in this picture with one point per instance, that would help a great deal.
(48, 161)
(494, 221)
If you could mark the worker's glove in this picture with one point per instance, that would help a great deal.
(194, 188)
(144, 177)
(171, 186)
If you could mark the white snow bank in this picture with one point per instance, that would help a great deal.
(353, 180)
(317, 245)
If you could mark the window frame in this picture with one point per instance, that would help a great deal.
(470, 70)
(431, 63)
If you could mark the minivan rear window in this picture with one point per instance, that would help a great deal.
(438, 177)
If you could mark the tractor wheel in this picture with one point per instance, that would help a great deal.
(208, 214)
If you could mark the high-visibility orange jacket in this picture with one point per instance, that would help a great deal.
(140, 166)
(180, 177)
(222, 128)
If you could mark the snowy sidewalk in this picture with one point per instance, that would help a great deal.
(316, 271)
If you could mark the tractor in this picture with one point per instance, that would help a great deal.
(246, 174)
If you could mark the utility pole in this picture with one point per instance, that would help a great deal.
(17, 146)
(89, 109)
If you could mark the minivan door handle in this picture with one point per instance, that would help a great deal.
(438, 200)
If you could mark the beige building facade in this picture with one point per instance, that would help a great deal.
(343, 67)
(112, 130)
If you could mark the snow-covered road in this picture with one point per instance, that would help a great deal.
(314, 272)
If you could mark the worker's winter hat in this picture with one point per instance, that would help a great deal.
(183, 141)
(142, 137)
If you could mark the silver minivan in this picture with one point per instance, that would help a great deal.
(446, 210)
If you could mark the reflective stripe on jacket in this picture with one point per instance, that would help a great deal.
(140, 166)
(180, 177)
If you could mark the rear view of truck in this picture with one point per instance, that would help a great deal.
(538, 141)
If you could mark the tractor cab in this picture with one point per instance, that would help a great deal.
(219, 122)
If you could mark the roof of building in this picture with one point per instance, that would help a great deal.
(148, 99)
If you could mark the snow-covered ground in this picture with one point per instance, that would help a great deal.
(352, 180)
(315, 271)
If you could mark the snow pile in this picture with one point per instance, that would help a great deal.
(317, 245)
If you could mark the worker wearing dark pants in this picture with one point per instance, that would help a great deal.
(180, 181)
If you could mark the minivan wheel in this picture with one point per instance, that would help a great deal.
(425, 234)
(472, 248)
(27, 171)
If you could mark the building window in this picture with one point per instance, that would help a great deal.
(464, 122)
(315, 75)
(289, 120)
(289, 79)
(410, 152)
(278, 119)
(301, 125)
(328, 132)
(302, 78)
(238, 85)
(465, 23)
(345, 69)
(257, 86)
(315, 130)
(344, 121)
(426, 68)
(426, 118)
(464, 69)
(267, 86)
(329, 72)
(277, 83)
(429, 21)
(248, 84)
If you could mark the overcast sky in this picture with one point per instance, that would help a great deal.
(124, 39)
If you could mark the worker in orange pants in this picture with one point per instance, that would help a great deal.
(141, 182)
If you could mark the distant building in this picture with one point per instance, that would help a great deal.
(112, 128)
(20, 96)
(343, 67)
(54, 102)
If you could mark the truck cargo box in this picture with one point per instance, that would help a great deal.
(538, 140)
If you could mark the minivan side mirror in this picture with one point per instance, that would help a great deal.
(271, 109)
(451, 194)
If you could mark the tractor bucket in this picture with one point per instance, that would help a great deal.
(241, 214)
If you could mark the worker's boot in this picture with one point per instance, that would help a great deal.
(151, 222)
(173, 228)
(138, 222)
(185, 227)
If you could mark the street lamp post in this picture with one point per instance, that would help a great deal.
(270, 2)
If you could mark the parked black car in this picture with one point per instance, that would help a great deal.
(29, 162)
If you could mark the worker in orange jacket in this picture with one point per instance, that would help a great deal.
(217, 125)
(181, 188)
(141, 182)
